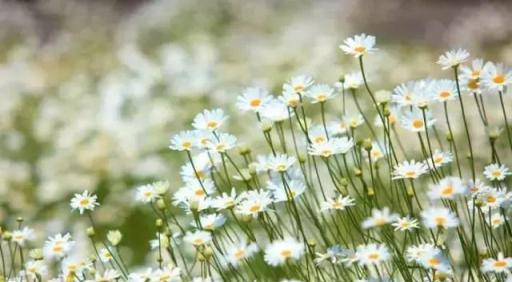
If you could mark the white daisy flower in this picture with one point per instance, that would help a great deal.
(495, 220)
(317, 134)
(353, 80)
(416, 253)
(414, 121)
(36, 268)
(253, 99)
(439, 158)
(146, 193)
(110, 275)
(241, 251)
(496, 172)
(439, 218)
(222, 143)
(211, 222)
(453, 58)
(22, 236)
(280, 162)
(379, 218)
(275, 110)
(209, 119)
(183, 141)
(298, 84)
(333, 146)
(338, 203)
(499, 265)
(496, 76)
(444, 90)
(293, 189)
(290, 98)
(105, 255)
(168, 273)
(198, 238)
(405, 224)
(253, 203)
(225, 201)
(372, 254)
(359, 45)
(474, 71)
(409, 170)
(58, 246)
(281, 251)
(320, 93)
(491, 198)
(447, 189)
(84, 201)
(405, 93)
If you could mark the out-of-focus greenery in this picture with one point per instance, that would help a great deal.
(89, 97)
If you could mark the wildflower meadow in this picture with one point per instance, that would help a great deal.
(314, 180)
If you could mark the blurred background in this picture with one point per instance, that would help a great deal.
(90, 91)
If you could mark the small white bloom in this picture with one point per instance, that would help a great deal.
(359, 45)
(338, 203)
(21, 236)
(253, 99)
(439, 218)
(198, 238)
(453, 58)
(58, 246)
(209, 119)
(447, 189)
(496, 172)
(499, 265)
(320, 93)
(372, 254)
(409, 170)
(84, 201)
(238, 252)
(281, 251)
(379, 218)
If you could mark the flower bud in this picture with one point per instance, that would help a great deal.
(36, 254)
(90, 232)
(114, 237)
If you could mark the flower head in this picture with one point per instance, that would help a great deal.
(359, 45)
(253, 99)
(439, 218)
(496, 172)
(84, 201)
(409, 170)
(209, 119)
(453, 58)
(281, 251)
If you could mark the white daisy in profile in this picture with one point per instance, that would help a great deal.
(146, 193)
(353, 80)
(444, 90)
(409, 170)
(198, 238)
(372, 254)
(211, 222)
(280, 162)
(405, 224)
(183, 141)
(439, 218)
(415, 122)
(317, 134)
(339, 203)
(447, 189)
(359, 45)
(333, 146)
(275, 110)
(379, 218)
(293, 189)
(376, 153)
(495, 220)
(290, 98)
(58, 246)
(500, 264)
(241, 251)
(434, 259)
(416, 253)
(405, 93)
(253, 99)
(280, 251)
(298, 84)
(439, 158)
(253, 203)
(22, 236)
(36, 268)
(168, 273)
(225, 201)
(222, 143)
(474, 71)
(84, 201)
(320, 93)
(109, 275)
(209, 119)
(476, 187)
(453, 58)
(491, 198)
(496, 172)
(496, 76)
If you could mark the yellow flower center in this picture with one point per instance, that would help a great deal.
(440, 221)
(473, 84)
(299, 88)
(417, 123)
(410, 174)
(445, 94)
(447, 191)
(199, 192)
(500, 264)
(255, 102)
(286, 253)
(255, 208)
(326, 153)
(373, 256)
(239, 254)
(212, 124)
(496, 173)
(491, 199)
(319, 139)
(84, 202)
(434, 261)
(198, 241)
(360, 49)
(187, 144)
(499, 79)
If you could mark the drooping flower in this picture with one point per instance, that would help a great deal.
(453, 58)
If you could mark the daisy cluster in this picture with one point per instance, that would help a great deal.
(331, 193)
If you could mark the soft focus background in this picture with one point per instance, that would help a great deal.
(90, 91)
